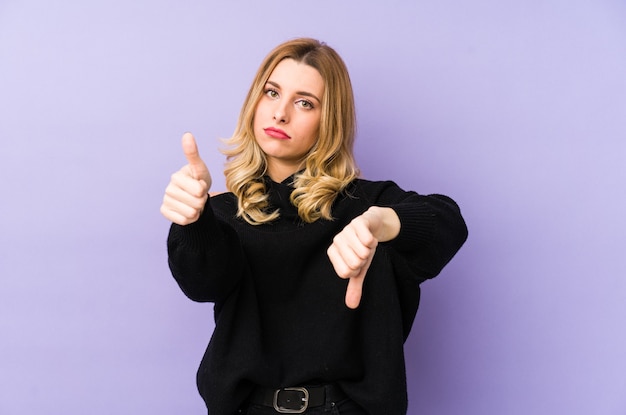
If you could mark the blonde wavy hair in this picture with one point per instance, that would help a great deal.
(328, 167)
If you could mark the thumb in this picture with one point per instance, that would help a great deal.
(355, 290)
(199, 170)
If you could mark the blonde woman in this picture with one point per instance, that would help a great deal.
(314, 271)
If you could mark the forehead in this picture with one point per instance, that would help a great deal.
(297, 76)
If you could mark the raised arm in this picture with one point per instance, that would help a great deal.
(203, 253)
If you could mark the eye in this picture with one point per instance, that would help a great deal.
(303, 103)
(271, 93)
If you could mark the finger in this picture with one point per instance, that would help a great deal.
(356, 239)
(339, 265)
(175, 194)
(363, 233)
(173, 215)
(184, 181)
(190, 148)
(347, 269)
(353, 262)
(349, 252)
(354, 291)
(184, 196)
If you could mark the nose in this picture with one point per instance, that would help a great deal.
(281, 113)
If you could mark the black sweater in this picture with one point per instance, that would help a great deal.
(280, 316)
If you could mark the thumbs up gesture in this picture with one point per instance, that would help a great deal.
(187, 192)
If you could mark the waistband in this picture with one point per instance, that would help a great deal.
(297, 399)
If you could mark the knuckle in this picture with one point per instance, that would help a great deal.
(343, 272)
(354, 263)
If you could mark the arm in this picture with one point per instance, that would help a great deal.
(426, 231)
(433, 230)
(202, 252)
(205, 257)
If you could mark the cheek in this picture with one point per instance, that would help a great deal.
(261, 109)
(257, 119)
(313, 128)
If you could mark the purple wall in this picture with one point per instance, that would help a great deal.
(516, 109)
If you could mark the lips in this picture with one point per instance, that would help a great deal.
(276, 133)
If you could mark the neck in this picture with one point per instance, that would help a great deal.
(281, 172)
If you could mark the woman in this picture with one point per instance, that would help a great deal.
(314, 272)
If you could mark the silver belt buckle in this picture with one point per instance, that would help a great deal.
(304, 405)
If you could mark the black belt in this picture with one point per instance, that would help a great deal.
(298, 399)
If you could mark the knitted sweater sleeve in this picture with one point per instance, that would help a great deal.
(432, 228)
(205, 257)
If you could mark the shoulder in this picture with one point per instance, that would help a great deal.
(377, 192)
(224, 204)
(222, 197)
(374, 184)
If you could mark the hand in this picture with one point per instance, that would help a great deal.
(353, 248)
(187, 192)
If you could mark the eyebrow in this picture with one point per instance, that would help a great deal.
(304, 93)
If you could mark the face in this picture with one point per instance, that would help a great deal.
(287, 118)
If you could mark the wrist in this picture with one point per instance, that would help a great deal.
(388, 223)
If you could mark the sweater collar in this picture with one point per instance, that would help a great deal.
(280, 195)
(289, 181)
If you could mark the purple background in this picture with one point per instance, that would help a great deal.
(515, 109)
